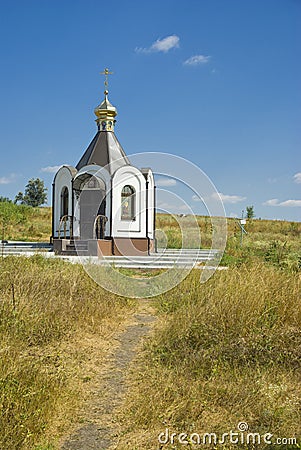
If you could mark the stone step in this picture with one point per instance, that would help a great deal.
(150, 259)
(79, 246)
(20, 250)
(146, 264)
(74, 252)
(78, 241)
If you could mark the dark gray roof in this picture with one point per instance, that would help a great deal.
(104, 150)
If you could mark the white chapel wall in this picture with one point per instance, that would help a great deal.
(129, 175)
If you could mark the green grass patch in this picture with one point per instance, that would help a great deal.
(24, 223)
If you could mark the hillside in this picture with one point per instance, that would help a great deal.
(276, 241)
(24, 223)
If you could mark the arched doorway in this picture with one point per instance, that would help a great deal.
(91, 195)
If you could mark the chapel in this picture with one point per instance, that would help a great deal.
(104, 205)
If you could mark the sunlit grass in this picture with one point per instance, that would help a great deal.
(25, 223)
(226, 351)
(47, 310)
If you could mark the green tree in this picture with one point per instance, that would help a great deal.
(250, 212)
(5, 199)
(10, 216)
(35, 193)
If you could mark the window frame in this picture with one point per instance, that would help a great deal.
(129, 196)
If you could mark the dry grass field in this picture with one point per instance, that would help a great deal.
(24, 223)
(50, 312)
(223, 352)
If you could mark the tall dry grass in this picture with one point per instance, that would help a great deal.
(225, 352)
(24, 223)
(258, 230)
(275, 242)
(47, 311)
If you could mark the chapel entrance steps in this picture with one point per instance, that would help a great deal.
(82, 247)
(161, 259)
(103, 247)
(24, 248)
(76, 248)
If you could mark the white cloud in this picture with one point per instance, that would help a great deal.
(228, 198)
(7, 180)
(297, 178)
(197, 198)
(161, 45)
(51, 169)
(219, 196)
(196, 60)
(184, 208)
(272, 202)
(289, 203)
(4, 180)
(166, 182)
(170, 208)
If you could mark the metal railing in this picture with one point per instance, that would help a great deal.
(99, 226)
(63, 221)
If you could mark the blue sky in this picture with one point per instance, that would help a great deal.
(216, 82)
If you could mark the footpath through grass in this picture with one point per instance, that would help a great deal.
(49, 312)
(227, 351)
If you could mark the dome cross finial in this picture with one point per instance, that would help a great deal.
(106, 73)
(105, 112)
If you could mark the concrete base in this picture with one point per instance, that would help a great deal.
(104, 247)
(100, 247)
(130, 246)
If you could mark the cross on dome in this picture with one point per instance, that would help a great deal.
(105, 111)
(106, 73)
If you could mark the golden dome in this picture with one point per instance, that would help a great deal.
(105, 113)
(105, 108)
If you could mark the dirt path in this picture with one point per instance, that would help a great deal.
(97, 429)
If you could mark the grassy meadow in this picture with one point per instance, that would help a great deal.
(24, 223)
(52, 319)
(223, 352)
(226, 351)
(277, 242)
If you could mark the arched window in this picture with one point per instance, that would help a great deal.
(128, 197)
(64, 201)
